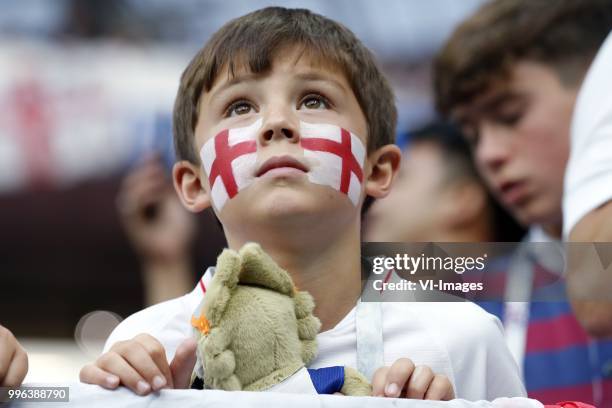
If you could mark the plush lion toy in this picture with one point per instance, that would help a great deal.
(255, 329)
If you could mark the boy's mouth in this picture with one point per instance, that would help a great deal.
(277, 162)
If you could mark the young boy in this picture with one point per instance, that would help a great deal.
(509, 75)
(280, 105)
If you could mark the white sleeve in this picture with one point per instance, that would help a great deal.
(503, 374)
(168, 322)
(588, 178)
(484, 367)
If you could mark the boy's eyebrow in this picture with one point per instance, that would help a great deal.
(500, 100)
(488, 106)
(304, 76)
(316, 76)
(236, 79)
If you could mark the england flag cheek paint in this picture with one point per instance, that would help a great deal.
(229, 160)
(335, 159)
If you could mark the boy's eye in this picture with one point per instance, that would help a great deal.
(314, 102)
(238, 108)
(509, 118)
(470, 134)
(509, 114)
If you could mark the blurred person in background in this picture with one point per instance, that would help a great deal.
(160, 230)
(439, 195)
(509, 76)
(13, 360)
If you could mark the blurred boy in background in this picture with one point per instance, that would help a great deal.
(509, 76)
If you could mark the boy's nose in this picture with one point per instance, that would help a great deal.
(279, 128)
(286, 133)
(493, 148)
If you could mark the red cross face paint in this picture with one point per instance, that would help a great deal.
(334, 158)
(229, 160)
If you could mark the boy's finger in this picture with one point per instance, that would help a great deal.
(419, 382)
(398, 375)
(114, 363)
(158, 353)
(17, 370)
(379, 380)
(92, 374)
(142, 360)
(440, 389)
(183, 363)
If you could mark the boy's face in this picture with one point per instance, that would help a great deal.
(519, 131)
(273, 108)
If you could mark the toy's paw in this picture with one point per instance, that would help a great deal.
(220, 366)
(308, 327)
(231, 383)
(355, 383)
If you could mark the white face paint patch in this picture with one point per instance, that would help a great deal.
(335, 158)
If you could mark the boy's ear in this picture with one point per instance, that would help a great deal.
(384, 162)
(187, 181)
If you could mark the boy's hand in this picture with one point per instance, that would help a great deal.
(404, 380)
(140, 364)
(13, 360)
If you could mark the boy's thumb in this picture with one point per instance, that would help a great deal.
(183, 363)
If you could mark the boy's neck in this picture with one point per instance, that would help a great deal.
(554, 230)
(328, 267)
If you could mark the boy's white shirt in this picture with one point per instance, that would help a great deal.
(588, 178)
(457, 339)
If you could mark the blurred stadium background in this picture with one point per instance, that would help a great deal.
(86, 88)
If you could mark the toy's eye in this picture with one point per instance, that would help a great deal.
(314, 101)
(239, 108)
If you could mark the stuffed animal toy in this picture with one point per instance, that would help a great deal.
(254, 329)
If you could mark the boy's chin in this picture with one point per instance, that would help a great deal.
(538, 212)
(286, 207)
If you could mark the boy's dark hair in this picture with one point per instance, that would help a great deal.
(457, 158)
(253, 40)
(562, 34)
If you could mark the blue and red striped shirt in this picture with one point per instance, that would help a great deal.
(561, 361)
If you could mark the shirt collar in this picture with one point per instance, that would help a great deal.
(204, 282)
